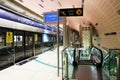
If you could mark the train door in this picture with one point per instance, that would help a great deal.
(38, 43)
(6, 47)
(19, 45)
(28, 44)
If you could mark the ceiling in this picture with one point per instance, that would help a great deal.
(103, 14)
(44, 6)
(41, 6)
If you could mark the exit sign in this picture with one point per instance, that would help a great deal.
(71, 12)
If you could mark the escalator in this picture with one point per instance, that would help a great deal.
(106, 68)
(91, 67)
(94, 57)
(85, 62)
(82, 69)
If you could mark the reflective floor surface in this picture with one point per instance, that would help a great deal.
(44, 67)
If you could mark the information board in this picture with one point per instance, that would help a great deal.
(36, 37)
(51, 17)
(71, 12)
(9, 37)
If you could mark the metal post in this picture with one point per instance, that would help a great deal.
(58, 46)
(33, 44)
(64, 33)
(13, 48)
(14, 55)
(82, 3)
(66, 66)
(62, 63)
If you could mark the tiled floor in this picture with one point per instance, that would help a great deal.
(42, 68)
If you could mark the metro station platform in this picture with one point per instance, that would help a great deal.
(44, 67)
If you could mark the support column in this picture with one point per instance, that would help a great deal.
(58, 48)
(66, 34)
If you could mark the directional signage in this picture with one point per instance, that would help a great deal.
(36, 37)
(51, 17)
(9, 37)
(71, 12)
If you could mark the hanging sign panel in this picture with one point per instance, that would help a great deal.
(51, 17)
(9, 37)
(71, 12)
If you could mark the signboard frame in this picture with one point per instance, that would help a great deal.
(67, 12)
(55, 21)
(9, 37)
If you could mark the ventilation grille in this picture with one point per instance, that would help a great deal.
(111, 33)
(118, 11)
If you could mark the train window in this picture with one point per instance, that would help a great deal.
(45, 38)
(40, 37)
(38, 43)
(28, 40)
(18, 40)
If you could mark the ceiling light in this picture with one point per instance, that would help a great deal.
(73, 6)
(41, 5)
(59, 3)
(96, 24)
(42, 0)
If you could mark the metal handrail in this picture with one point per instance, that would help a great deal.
(67, 47)
(66, 57)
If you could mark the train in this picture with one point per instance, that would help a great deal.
(22, 37)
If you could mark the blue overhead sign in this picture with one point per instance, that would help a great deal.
(51, 17)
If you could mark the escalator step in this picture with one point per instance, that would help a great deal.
(85, 62)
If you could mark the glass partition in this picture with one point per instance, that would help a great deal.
(67, 60)
(72, 55)
(97, 56)
(111, 63)
(6, 48)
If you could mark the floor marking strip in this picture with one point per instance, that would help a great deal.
(47, 64)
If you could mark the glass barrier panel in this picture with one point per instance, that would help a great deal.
(68, 52)
(110, 63)
(68, 61)
(6, 57)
